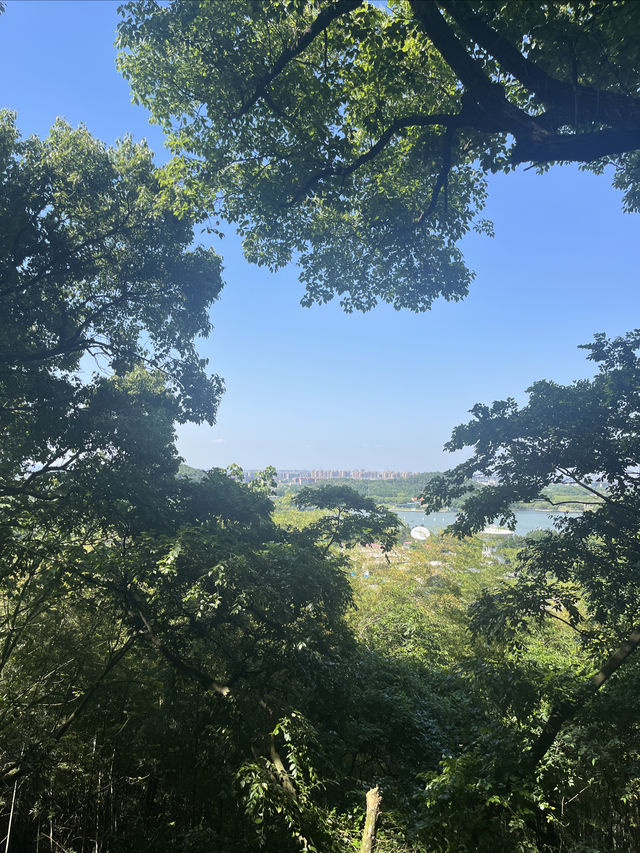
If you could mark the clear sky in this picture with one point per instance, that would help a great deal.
(314, 388)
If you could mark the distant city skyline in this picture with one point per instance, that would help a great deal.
(315, 475)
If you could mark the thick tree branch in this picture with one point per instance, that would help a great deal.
(591, 104)
(487, 108)
(580, 147)
(468, 70)
(492, 103)
(510, 58)
(343, 171)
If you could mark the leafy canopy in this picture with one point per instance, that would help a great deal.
(349, 518)
(587, 573)
(355, 137)
(95, 264)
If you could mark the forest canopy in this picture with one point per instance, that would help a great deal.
(183, 668)
(356, 138)
(98, 279)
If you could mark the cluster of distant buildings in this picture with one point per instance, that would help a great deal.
(299, 476)
(303, 477)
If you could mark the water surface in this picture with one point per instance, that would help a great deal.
(526, 520)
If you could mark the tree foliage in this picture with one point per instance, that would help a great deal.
(348, 517)
(96, 271)
(211, 621)
(586, 573)
(355, 137)
(178, 671)
(132, 601)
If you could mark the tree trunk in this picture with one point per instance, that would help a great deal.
(13, 805)
(563, 712)
(370, 825)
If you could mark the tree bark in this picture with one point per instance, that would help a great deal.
(370, 825)
(538, 137)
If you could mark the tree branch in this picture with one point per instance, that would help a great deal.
(468, 70)
(449, 140)
(592, 104)
(498, 113)
(563, 712)
(567, 623)
(18, 768)
(536, 138)
(326, 17)
(114, 660)
(580, 147)
(177, 662)
(604, 498)
(415, 120)
(569, 503)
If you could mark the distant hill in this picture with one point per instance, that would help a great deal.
(189, 473)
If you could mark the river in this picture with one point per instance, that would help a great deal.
(526, 520)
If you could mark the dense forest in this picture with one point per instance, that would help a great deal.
(186, 666)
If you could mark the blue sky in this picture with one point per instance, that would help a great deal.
(315, 388)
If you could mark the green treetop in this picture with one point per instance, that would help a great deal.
(355, 137)
(95, 262)
(587, 574)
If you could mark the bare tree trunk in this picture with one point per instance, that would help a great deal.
(374, 799)
(13, 805)
(97, 829)
(87, 795)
